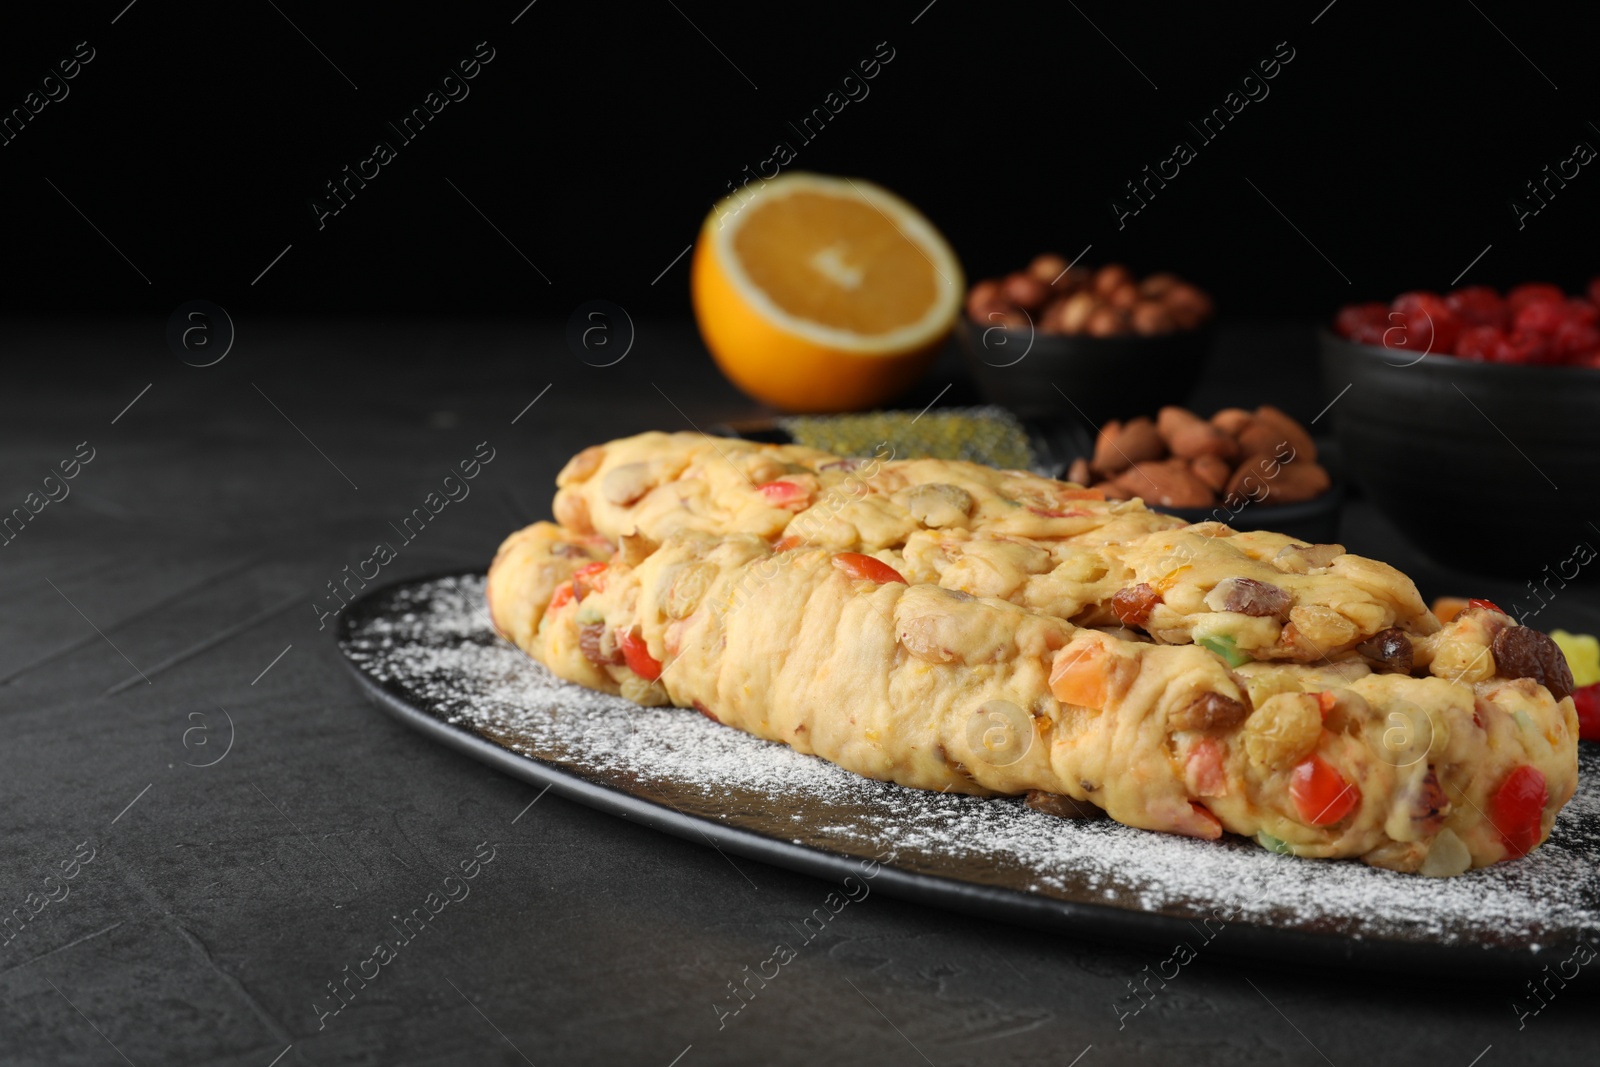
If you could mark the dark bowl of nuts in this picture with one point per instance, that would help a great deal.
(1253, 470)
(1054, 341)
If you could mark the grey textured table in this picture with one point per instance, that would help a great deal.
(170, 594)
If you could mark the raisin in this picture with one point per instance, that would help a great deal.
(1431, 805)
(1250, 597)
(1209, 711)
(1391, 648)
(590, 638)
(1523, 652)
(1061, 805)
(1134, 604)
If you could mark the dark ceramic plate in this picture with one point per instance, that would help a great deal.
(423, 651)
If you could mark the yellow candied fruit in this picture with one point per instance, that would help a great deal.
(1583, 656)
(1164, 585)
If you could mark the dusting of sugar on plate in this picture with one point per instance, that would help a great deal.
(432, 644)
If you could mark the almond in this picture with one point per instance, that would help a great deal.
(1273, 429)
(1231, 420)
(1300, 481)
(1168, 483)
(1121, 446)
(1188, 435)
(1213, 470)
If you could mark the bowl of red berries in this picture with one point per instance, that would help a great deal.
(1472, 419)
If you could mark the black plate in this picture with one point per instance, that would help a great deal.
(423, 650)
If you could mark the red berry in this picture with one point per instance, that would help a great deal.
(1533, 293)
(1478, 305)
(1587, 699)
(1422, 322)
(1478, 342)
(1517, 809)
(1358, 321)
(1594, 290)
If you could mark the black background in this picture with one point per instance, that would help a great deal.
(601, 133)
(381, 350)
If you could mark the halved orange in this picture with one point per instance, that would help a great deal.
(817, 293)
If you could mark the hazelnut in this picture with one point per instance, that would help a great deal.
(1111, 277)
(1157, 284)
(983, 299)
(1124, 298)
(1104, 322)
(1047, 268)
(1074, 279)
(1075, 312)
(1186, 301)
(1150, 317)
(1026, 291)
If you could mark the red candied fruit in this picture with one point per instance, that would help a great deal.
(1422, 322)
(1587, 700)
(1479, 305)
(1522, 347)
(1478, 342)
(1533, 293)
(1517, 809)
(1540, 316)
(1534, 323)
(1583, 311)
(1363, 323)
(1575, 339)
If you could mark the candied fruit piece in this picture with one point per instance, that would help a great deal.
(1423, 322)
(1479, 305)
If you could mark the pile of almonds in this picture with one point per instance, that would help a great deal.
(1101, 303)
(1180, 460)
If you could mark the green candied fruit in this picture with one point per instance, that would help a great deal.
(1224, 647)
(1274, 844)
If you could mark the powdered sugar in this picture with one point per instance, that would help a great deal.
(431, 643)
